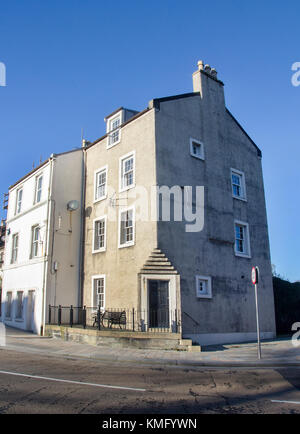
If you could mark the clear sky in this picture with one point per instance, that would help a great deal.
(71, 62)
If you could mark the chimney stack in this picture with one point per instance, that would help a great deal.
(211, 89)
(205, 79)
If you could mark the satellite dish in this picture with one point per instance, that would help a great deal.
(73, 205)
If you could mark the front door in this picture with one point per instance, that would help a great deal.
(158, 303)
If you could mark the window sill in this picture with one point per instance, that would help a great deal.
(99, 251)
(199, 157)
(122, 246)
(239, 198)
(108, 146)
(100, 199)
(203, 296)
(121, 190)
(19, 320)
(242, 255)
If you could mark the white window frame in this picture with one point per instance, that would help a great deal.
(132, 242)
(245, 225)
(14, 248)
(96, 174)
(36, 191)
(102, 249)
(201, 155)
(10, 305)
(18, 208)
(19, 307)
(110, 132)
(35, 242)
(242, 184)
(207, 280)
(97, 277)
(122, 160)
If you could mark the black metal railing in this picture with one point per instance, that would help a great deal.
(157, 321)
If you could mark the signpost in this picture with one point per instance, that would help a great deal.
(255, 278)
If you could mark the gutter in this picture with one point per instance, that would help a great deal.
(82, 231)
(46, 263)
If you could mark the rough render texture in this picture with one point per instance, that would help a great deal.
(211, 251)
(121, 266)
(161, 141)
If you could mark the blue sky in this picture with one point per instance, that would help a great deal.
(69, 63)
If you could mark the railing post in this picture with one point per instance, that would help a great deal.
(59, 315)
(49, 316)
(71, 316)
(98, 317)
(133, 318)
(84, 317)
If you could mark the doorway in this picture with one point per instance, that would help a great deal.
(158, 293)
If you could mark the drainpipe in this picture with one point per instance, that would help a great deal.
(48, 227)
(82, 227)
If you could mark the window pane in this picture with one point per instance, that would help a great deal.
(99, 238)
(99, 292)
(126, 227)
(100, 184)
(39, 183)
(19, 312)
(127, 172)
(240, 236)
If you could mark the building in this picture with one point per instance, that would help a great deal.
(43, 234)
(2, 247)
(192, 151)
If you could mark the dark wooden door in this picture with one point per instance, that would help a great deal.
(158, 304)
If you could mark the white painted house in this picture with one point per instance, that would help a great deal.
(42, 259)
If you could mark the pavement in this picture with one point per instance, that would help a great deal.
(278, 352)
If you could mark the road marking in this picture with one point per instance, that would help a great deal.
(286, 402)
(72, 381)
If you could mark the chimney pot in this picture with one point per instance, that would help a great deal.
(213, 72)
(207, 69)
(200, 65)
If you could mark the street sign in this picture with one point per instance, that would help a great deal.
(254, 275)
(254, 278)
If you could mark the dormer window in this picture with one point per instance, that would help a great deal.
(114, 131)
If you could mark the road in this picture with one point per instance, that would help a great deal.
(54, 385)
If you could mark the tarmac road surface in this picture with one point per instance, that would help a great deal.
(35, 383)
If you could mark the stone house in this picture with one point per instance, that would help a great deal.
(192, 260)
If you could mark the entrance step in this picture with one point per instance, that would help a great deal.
(185, 342)
(155, 263)
(187, 345)
(158, 267)
(194, 348)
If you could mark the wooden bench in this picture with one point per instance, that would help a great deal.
(111, 318)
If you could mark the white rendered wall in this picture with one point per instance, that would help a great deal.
(26, 274)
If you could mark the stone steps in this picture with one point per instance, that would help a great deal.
(187, 345)
(158, 263)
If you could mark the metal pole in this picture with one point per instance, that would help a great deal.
(257, 325)
(99, 317)
(59, 315)
(71, 316)
(133, 318)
